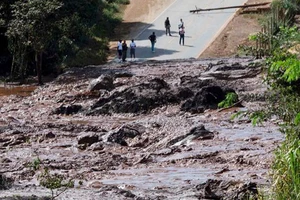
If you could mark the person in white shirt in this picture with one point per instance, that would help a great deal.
(119, 49)
(181, 24)
(132, 49)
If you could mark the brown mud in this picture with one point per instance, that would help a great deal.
(160, 153)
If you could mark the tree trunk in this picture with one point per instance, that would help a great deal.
(38, 61)
(12, 70)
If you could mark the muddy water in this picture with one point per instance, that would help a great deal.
(149, 166)
(16, 90)
(231, 143)
(160, 177)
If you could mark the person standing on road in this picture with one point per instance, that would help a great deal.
(168, 26)
(181, 24)
(181, 36)
(124, 51)
(152, 39)
(119, 49)
(132, 49)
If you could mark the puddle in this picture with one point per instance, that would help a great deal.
(172, 177)
(17, 90)
(160, 177)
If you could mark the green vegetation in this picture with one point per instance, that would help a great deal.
(57, 183)
(43, 37)
(54, 182)
(35, 164)
(282, 45)
(230, 99)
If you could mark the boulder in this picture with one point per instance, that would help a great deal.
(207, 98)
(67, 110)
(137, 99)
(125, 132)
(196, 133)
(88, 139)
(105, 82)
(227, 190)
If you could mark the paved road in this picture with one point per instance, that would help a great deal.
(201, 29)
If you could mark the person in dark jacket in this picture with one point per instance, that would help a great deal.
(168, 26)
(152, 39)
(124, 51)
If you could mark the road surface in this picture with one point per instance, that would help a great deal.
(200, 29)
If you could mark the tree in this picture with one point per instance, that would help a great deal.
(31, 28)
(57, 33)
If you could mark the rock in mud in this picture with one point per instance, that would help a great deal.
(125, 132)
(87, 139)
(184, 93)
(5, 183)
(67, 110)
(120, 193)
(137, 99)
(104, 82)
(195, 83)
(227, 190)
(207, 98)
(196, 133)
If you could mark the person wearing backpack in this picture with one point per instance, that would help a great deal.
(168, 26)
(152, 39)
(181, 35)
(124, 51)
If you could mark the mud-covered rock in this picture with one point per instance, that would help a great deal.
(67, 110)
(105, 82)
(227, 190)
(196, 133)
(49, 135)
(207, 98)
(5, 183)
(98, 146)
(125, 132)
(184, 93)
(121, 193)
(137, 99)
(195, 83)
(88, 139)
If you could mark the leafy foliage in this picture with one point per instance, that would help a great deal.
(35, 164)
(54, 181)
(57, 183)
(58, 33)
(286, 167)
(229, 100)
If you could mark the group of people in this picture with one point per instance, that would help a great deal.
(122, 46)
(181, 32)
(122, 50)
(180, 27)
